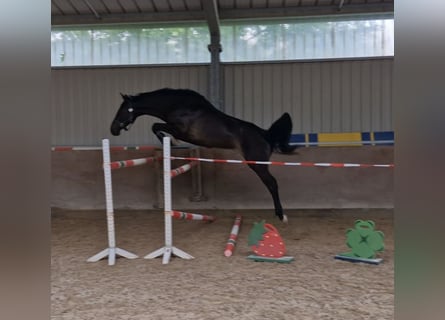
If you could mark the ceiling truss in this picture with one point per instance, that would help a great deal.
(89, 12)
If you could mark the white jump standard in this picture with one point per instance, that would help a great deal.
(112, 250)
(169, 249)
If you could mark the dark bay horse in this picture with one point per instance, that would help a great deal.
(190, 117)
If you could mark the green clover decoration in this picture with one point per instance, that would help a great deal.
(363, 240)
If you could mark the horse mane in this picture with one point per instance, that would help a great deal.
(168, 92)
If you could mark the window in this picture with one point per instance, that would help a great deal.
(127, 45)
(241, 41)
(308, 39)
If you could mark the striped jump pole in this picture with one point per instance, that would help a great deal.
(183, 169)
(94, 148)
(112, 250)
(230, 246)
(132, 162)
(168, 249)
(190, 216)
(282, 163)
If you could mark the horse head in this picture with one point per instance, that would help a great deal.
(125, 116)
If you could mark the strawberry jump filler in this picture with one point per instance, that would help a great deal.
(267, 244)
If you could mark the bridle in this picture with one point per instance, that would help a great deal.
(130, 120)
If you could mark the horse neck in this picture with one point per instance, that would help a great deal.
(149, 106)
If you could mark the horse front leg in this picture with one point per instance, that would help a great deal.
(271, 183)
(160, 130)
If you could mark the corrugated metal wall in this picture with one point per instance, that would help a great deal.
(331, 96)
(84, 101)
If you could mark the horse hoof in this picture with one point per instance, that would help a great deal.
(285, 220)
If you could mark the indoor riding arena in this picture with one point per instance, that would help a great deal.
(193, 228)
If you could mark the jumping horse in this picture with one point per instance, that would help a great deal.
(190, 117)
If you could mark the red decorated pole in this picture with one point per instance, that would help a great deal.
(182, 169)
(230, 246)
(191, 216)
(132, 162)
(93, 148)
(281, 163)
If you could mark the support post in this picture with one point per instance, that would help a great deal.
(168, 249)
(159, 204)
(196, 172)
(112, 250)
(212, 17)
(215, 94)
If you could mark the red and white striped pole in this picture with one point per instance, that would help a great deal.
(282, 163)
(230, 246)
(111, 148)
(182, 169)
(132, 162)
(190, 216)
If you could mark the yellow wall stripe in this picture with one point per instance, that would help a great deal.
(329, 139)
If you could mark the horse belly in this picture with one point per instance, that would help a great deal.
(210, 136)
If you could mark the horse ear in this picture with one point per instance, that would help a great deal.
(124, 96)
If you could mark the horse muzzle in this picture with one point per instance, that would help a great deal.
(115, 128)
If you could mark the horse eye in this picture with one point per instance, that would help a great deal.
(130, 110)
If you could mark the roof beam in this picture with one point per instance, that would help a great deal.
(212, 17)
(155, 17)
(202, 16)
(340, 6)
(305, 11)
(92, 9)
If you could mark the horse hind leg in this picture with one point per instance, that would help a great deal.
(271, 183)
(257, 149)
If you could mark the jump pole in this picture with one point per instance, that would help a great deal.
(191, 216)
(168, 249)
(230, 246)
(112, 250)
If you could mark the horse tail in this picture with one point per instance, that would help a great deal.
(279, 134)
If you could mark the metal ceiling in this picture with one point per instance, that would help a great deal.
(85, 12)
